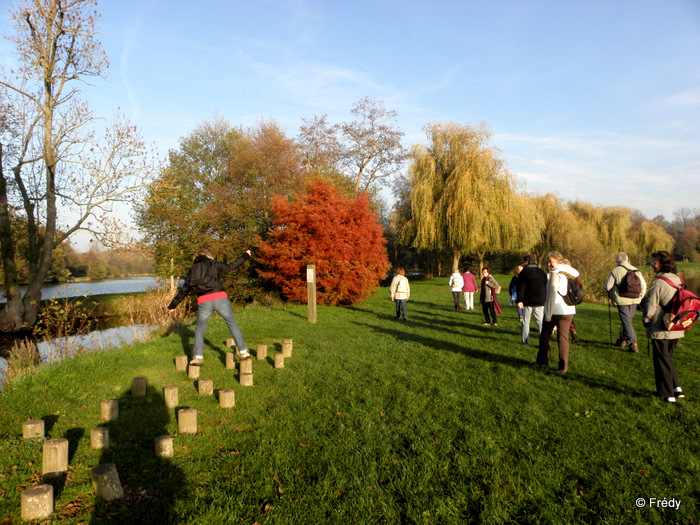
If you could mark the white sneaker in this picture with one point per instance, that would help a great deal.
(679, 393)
(670, 399)
(245, 354)
(197, 360)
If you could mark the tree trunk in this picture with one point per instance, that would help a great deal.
(481, 256)
(11, 315)
(456, 256)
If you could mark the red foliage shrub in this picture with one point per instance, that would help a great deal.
(342, 237)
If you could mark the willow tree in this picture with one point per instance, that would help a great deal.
(462, 197)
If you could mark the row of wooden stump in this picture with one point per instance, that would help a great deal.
(38, 501)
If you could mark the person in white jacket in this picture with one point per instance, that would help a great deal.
(556, 312)
(456, 283)
(400, 292)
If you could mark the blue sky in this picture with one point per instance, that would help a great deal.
(591, 100)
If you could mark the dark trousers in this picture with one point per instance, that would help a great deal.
(664, 370)
(626, 313)
(456, 297)
(563, 323)
(400, 308)
(489, 309)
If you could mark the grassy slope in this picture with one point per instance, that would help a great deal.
(437, 420)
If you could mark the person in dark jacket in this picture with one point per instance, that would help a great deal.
(531, 288)
(204, 281)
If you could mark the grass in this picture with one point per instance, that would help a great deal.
(436, 420)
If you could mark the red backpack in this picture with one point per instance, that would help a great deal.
(685, 307)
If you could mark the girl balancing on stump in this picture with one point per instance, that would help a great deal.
(204, 280)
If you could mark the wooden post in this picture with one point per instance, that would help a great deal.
(99, 438)
(37, 502)
(55, 457)
(164, 447)
(181, 363)
(279, 361)
(33, 428)
(109, 410)
(261, 352)
(138, 386)
(287, 347)
(230, 360)
(187, 421)
(246, 366)
(193, 371)
(227, 398)
(205, 387)
(311, 291)
(171, 395)
(105, 481)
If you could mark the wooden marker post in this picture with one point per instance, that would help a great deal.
(311, 291)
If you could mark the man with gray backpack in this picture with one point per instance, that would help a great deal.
(626, 287)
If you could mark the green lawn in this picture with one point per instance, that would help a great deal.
(435, 420)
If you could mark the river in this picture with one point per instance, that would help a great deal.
(97, 340)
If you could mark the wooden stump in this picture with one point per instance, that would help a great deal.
(181, 363)
(187, 421)
(33, 428)
(230, 342)
(55, 457)
(105, 481)
(246, 366)
(171, 395)
(261, 352)
(205, 387)
(109, 410)
(227, 398)
(164, 447)
(279, 360)
(230, 360)
(99, 438)
(193, 371)
(287, 347)
(246, 379)
(37, 502)
(138, 386)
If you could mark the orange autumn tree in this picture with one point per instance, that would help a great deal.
(341, 236)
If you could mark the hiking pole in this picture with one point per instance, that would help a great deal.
(609, 320)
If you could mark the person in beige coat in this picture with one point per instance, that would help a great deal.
(656, 304)
(626, 306)
(400, 292)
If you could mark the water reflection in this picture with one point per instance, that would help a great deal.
(111, 286)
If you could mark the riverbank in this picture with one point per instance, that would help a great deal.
(437, 419)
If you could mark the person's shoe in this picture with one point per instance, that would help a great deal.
(633, 349)
(670, 399)
(574, 336)
(197, 360)
(495, 324)
(245, 354)
(679, 393)
(623, 344)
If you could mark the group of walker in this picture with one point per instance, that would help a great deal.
(544, 296)
(536, 294)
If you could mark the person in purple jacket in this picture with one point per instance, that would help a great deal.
(468, 289)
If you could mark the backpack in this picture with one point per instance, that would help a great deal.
(574, 291)
(631, 285)
(685, 307)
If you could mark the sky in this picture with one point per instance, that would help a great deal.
(595, 100)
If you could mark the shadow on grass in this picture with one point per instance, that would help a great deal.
(152, 485)
(423, 321)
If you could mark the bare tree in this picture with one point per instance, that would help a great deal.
(55, 159)
(372, 144)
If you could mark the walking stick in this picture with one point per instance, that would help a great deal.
(609, 320)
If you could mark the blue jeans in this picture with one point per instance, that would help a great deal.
(204, 310)
(400, 308)
(525, 327)
(626, 312)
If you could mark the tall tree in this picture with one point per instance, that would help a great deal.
(372, 144)
(56, 159)
(463, 199)
(341, 236)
